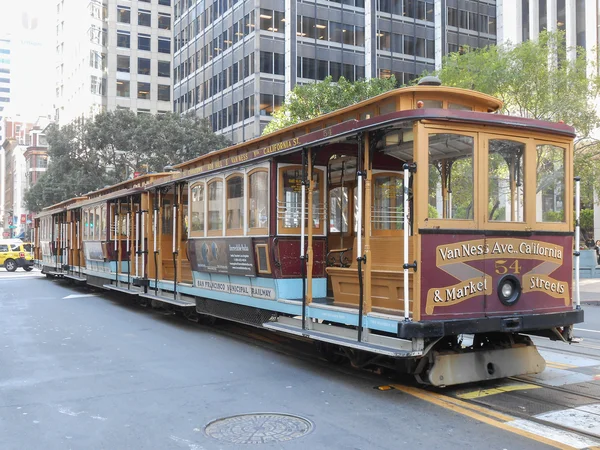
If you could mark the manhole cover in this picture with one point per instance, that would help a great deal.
(258, 428)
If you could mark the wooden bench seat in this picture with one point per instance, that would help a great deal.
(387, 276)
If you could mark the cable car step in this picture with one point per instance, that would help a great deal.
(75, 277)
(345, 342)
(176, 302)
(120, 289)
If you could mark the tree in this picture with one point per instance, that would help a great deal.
(537, 79)
(86, 156)
(534, 79)
(308, 101)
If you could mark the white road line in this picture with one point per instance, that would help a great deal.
(79, 296)
(574, 440)
(585, 329)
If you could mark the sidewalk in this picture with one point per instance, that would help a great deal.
(589, 289)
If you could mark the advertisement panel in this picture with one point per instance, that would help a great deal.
(233, 256)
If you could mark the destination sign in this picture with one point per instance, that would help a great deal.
(281, 146)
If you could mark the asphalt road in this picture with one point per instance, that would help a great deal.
(97, 372)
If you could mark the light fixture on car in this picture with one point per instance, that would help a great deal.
(509, 290)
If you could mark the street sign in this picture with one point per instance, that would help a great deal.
(12, 227)
(5, 234)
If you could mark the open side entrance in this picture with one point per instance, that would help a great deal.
(379, 211)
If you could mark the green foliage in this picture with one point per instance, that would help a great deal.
(554, 216)
(308, 101)
(586, 222)
(534, 79)
(86, 156)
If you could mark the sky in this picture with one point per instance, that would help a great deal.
(30, 25)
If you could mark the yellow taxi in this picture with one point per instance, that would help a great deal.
(16, 253)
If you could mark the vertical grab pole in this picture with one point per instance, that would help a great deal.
(405, 209)
(128, 244)
(155, 228)
(577, 253)
(143, 241)
(360, 257)
(302, 236)
(175, 208)
(137, 243)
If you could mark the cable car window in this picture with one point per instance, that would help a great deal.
(388, 203)
(215, 205)
(292, 191)
(459, 107)
(167, 218)
(451, 179)
(338, 210)
(258, 206)
(197, 228)
(432, 104)
(103, 222)
(85, 224)
(505, 180)
(235, 203)
(289, 206)
(550, 191)
(92, 223)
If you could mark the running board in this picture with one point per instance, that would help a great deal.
(176, 302)
(120, 289)
(75, 277)
(337, 340)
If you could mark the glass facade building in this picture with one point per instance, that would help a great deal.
(234, 60)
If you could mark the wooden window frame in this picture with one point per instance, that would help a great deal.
(528, 182)
(376, 174)
(568, 187)
(317, 231)
(266, 246)
(258, 231)
(202, 233)
(218, 232)
(466, 224)
(234, 231)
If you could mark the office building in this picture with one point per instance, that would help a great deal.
(235, 60)
(112, 54)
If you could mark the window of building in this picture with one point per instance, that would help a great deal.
(123, 39)
(122, 63)
(235, 203)
(123, 14)
(215, 206)
(164, 2)
(258, 202)
(143, 42)
(266, 105)
(266, 62)
(550, 183)
(164, 45)
(96, 85)
(144, 18)
(143, 66)
(143, 90)
(164, 68)
(452, 17)
(164, 21)
(122, 88)
(164, 92)
(197, 224)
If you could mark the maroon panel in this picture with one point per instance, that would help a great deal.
(461, 273)
(287, 257)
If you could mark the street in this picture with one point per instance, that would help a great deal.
(90, 370)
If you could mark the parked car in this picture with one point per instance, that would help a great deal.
(15, 253)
